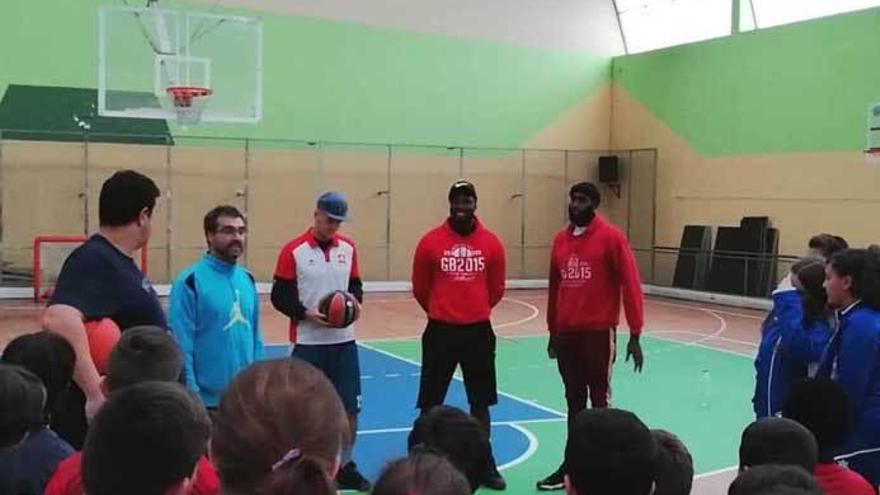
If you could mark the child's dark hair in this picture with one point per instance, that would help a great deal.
(143, 354)
(144, 439)
(774, 479)
(863, 268)
(778, 441)
(457, 435)
(811, 274)
(423, 472)
(50, 357)
(280, 428)
(673, 466)
(820, 405)
(610, 451)
(22, 398)
(827, 244)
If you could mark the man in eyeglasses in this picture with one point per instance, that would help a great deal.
(458, 277)
(214, 309)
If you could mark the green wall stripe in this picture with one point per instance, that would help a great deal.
(342, 81)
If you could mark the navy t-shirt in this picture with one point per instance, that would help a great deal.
(25, 469)
(101, 282)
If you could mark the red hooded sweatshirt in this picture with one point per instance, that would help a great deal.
(588, 275)
(459, 279)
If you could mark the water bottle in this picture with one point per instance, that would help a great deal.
(705, 389)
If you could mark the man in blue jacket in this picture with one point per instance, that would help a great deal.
(214, 310)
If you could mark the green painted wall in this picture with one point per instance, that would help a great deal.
(341, 81)
(797, 88)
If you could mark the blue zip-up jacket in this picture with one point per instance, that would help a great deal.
(789, 347)
(214, 316)
(852, 359)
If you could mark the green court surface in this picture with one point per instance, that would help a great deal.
(700, 394)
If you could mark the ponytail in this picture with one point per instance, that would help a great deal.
(279, 430)
(811, 274)
(304, 475)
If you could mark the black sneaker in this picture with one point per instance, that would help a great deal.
(493, 479)
(555, 481)
(349, 478)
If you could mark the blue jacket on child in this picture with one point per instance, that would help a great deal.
(790, 346)
(852, 359)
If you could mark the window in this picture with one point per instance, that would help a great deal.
(775, 12)
(652, 24)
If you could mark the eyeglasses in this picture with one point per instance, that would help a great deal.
(229, 230)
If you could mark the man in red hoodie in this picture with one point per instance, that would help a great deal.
(591, 267)
(458, 277)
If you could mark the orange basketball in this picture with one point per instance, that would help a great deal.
(103, 335)
(340, 308)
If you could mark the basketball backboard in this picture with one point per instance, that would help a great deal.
(144, 51)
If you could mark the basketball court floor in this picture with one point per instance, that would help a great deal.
(697, 381)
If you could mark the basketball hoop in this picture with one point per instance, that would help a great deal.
(189, 101)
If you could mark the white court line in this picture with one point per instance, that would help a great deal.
(393, 339)
(494, 423)
(719, 311)
(531, 307)
(701, 346)
(694, 343)
(650, 335)
(390, 301)
(530, 451)
(505, 394)
(654, 300)
(716, 472)
(535, 312)
(689, 332)
(533, 441)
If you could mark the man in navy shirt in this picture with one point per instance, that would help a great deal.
(101, 280)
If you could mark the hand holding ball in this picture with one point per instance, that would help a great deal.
(340, 309)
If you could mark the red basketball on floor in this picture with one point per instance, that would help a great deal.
(340, 308)
(103, 335)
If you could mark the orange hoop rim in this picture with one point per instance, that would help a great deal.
(184, 95)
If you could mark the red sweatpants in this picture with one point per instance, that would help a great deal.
(584, 360)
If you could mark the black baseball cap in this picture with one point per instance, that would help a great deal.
(462, 188)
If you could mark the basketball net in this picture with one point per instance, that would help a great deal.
(189, 102)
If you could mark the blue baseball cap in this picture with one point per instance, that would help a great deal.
(334, 205)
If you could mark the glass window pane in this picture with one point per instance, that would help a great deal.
(652, 24)
(746, 16)
(776, 12)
